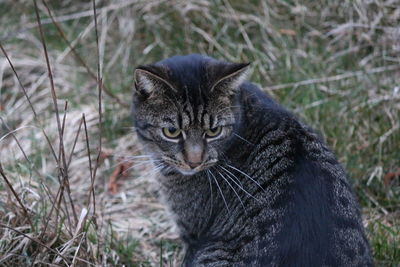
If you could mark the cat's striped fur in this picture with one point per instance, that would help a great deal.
(273, 193)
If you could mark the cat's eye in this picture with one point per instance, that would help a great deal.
(171, 132)
(214, 132)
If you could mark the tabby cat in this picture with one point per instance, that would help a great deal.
(246, 182)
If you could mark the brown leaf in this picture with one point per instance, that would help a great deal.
(121, 170)
(289, 32)
(390, 176)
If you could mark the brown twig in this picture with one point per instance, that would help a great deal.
(99, 82)
(74, 144)
(66, 176)
(88, 150)
(49, 72)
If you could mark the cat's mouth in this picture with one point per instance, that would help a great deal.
(185, 168)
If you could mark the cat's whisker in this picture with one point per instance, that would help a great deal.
(125, 160)
(240, 186)
(219, 188)
(226, 180)
(156, 169)
(238, 136)
(133, 162)
(122, 156)
(133, 128)
(138, 157)
(246, 175)
(211, 193)
(130, 151)
(137, 165)
(231, 174)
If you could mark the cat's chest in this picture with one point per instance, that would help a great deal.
(194, 205)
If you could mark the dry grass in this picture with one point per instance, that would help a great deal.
(335, 63)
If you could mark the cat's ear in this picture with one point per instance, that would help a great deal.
(230, 77)
(150, 79)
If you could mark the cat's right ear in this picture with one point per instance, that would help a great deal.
(229, 76)
(148, 80)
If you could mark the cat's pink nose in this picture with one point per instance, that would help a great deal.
(193, 164)
(193, 153)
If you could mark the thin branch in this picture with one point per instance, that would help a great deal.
(74, 144)
(88, 150)
(19, 80)
(49, 72)
(99, 82)
(65, 169)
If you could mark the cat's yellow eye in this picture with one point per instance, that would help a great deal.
(171, 132)
(214, 132)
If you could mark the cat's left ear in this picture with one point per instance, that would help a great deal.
(230, 77)
(150, 79)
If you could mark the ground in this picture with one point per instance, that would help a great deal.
(72, 190)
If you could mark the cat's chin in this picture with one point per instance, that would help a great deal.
(188, 172)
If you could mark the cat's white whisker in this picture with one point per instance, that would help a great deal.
(240, 186)
(238, 136)
(246, 175)
(226, 180)
(234, 176)
(138, 164)
(219, 188)
(156, 169)
(138, 157)
(211, 194)
(134, 162)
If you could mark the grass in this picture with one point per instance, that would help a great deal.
(336, 64)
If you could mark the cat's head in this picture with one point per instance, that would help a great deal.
(185, 110)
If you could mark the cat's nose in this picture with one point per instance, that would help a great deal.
(193, 154)
(193, 164)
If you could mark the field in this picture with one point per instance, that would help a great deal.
(72, 191)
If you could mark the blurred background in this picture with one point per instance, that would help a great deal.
(71, 191)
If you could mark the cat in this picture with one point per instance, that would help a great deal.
(246, 183)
